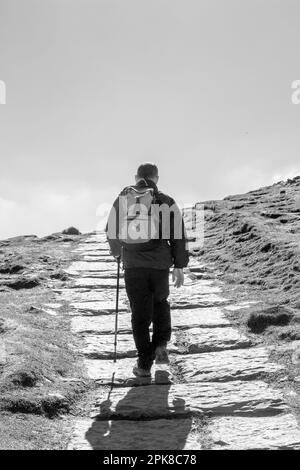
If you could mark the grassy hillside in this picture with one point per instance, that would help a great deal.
(253, 242)
(254, 238)
(40, 375)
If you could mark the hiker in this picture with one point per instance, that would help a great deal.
(150, 240)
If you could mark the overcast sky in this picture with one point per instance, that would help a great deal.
(94, 87)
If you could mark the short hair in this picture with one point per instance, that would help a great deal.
(147, 170)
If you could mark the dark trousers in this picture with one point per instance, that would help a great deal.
(148, 291)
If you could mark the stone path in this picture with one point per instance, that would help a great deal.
(216, 393)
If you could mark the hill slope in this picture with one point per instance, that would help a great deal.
(254, 239)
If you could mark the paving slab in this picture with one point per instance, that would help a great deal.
(253, 398)
(267, 433)
(208, 317)
(198, 340)
(181, 319)
(97, 307)
(99, 257)
(160, 434)
(96, 238)
(101, 325)
(102, 346)
(112, 274)
(97, 283)
(200, 294)
(90, 247)
(227, 365)
(196, 299)
(106, 372)
(78, 267)
(92, 295)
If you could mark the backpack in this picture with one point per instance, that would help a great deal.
(138, 222)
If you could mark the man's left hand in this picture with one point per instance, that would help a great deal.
(178, 277)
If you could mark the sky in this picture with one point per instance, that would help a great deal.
(95, 87)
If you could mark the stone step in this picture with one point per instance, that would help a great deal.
(91, 247)
(97, 307)
(102, 346)
(103, 258)
(225, 433)
(93, 295)
(95, 242)
(78, 267)
(86, 295)
(201, 340)
(106, 372)
(267, 433)
(228, 365)
(160, 434)
(209, 318)
(97, 283)
(108, 280)
(204, 303)
(198, 317)
(200, 294)
(112, 274)
(197, 294)
(254, 398)
(225, 366)
(96, 238)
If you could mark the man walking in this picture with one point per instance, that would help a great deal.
(146, 229)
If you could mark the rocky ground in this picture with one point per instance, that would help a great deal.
(233, 382)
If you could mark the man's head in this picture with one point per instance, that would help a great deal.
(148, 171)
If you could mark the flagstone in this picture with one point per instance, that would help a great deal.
(99, 257)
(106, 372)
(199, 317)
(98, 283)
(198, 340)
(253, 398)
(159, 434)
(264, 433)
(102, 346)
(226, 365)
(209, 318)
(87, 266)
(97, 307)
(92, 247)
(91, 295)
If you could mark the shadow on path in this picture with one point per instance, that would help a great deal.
(136, 426)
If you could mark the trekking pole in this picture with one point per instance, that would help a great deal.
(117, 307)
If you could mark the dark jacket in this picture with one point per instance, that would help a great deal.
(164, 253)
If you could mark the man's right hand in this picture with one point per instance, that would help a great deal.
(178, 277)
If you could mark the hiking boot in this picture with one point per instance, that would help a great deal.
(140, 372)
(161, 355)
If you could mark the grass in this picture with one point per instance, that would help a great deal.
(40, 375)
(27, 432)
(277, 316)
